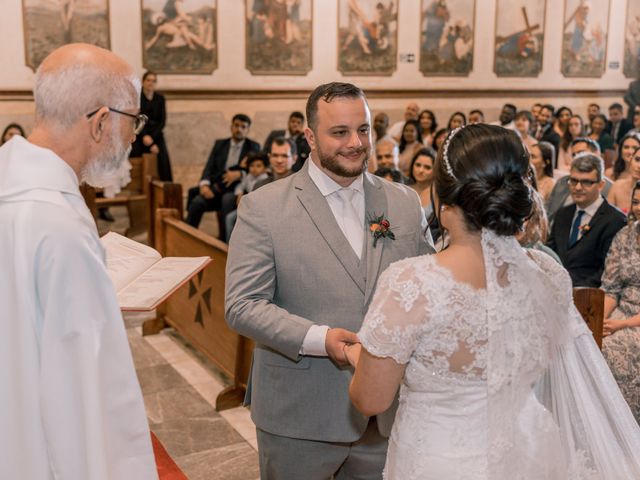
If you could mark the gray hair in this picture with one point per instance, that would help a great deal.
(588, 162)
(63, 96)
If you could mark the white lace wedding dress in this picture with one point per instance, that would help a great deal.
(503, 383)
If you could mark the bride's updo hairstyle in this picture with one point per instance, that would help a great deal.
(482, 169)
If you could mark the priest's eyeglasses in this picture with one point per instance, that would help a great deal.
(139, 120)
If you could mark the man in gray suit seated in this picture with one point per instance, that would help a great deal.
(302, 267)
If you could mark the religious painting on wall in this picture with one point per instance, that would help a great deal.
(179, 36)
(519, 37)
(279, 36)
(49, 25)
(584, 39)
(632, 40)
(367, 37)
(446, 37)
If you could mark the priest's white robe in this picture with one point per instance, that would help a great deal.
(70, 404)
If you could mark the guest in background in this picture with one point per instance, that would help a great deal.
(294, 131)
(561, 122)
(621, 285)
(636, 120)
(523, 122)
(429, 126)
(282, 157)
(541, 159)
(507, 116)
(621, 191)
(151, 139)
(582, 233)
(545, 131)
(456, 120)
(223, 165)
(575, 129)
(410, 143)
(410, 113)
(617, 126)
(380, 127)
(421, 177)
(387, 155)
(598, 125)
(592, 110)
(439, 138)
(390, 174)
(476, 116)
(632, 97)
(627, 148)
(11, 130)
(535, 111)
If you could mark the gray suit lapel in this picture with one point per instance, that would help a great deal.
(322, 216)
(375, 204)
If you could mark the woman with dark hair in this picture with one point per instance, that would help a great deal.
(575, 129)
(598, 124)
(620, 169)
(429, 126)
(410, 143)
(496, 367)
(620, 192)
(523, 122)
(439, 137)
(458, 119)
(151, 139)
(561, 123)
(542, 155)
(10, 131)
(621, 285)
(421, 177)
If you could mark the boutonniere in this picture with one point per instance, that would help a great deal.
(380, 227)
(584, 229)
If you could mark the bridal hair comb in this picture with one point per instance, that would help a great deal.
(445, 152)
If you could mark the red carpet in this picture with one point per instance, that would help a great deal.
(167, 468)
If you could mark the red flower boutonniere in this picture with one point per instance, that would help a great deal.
(584, 229)
(380, 227)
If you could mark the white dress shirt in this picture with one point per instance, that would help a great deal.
(348, 217)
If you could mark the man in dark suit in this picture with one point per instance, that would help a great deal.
(295, 133)
(223, 170)
(545, 132)
(582, 233)
(618, 126)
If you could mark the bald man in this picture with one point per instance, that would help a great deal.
(71, 404)
(411, 112)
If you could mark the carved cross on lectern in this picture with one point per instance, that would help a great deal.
(204, 298)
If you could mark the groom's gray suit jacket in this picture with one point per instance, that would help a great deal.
(290, 266)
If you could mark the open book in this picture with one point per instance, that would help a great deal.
(143, 279)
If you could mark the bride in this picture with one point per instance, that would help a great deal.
(499, 376)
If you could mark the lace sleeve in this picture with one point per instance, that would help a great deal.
(611, 280)
(394, 322)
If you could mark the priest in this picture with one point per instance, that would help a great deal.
(72, 407)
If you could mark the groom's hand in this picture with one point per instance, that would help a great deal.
(335, 342)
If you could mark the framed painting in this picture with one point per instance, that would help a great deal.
(367, 37)
(48, 25)
(279, 36)
(446, 37)
(180, 36)
(584, 38)
(519, 38)
(631, 66)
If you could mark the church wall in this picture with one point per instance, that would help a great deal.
(200, 106)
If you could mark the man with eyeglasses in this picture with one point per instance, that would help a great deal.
(72, 407)
(582, 233)
(559, 196)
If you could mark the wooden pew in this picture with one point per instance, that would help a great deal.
(590, 304)
(163, 195)
(196, 311)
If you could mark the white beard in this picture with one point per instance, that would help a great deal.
(109, 169)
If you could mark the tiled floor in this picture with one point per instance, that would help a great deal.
(179, 390)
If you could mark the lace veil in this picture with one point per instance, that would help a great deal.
(554, 409)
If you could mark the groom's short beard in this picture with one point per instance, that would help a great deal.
(331, 163)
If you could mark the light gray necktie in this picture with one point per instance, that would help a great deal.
(353, 225)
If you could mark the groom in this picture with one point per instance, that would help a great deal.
(302, 268)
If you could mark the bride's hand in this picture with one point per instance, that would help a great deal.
(352, 353)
